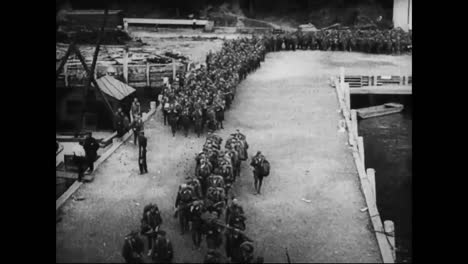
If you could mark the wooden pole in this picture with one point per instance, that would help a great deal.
(65, 72)
(65, 59)
(147, 75)
(173, 69)
(371, 176)
(361, 151)
(125, 65)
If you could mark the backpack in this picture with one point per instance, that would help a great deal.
(186, 194)
(265, 168)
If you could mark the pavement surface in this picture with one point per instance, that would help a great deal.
(288, 111)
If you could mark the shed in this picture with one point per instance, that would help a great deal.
(71, 103)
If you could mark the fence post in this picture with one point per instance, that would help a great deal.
(347, 96)
(147, 75)
(361, 151)
(173, 69)
(65, 72)
(354, 123)
(125, 66)
(371, 176)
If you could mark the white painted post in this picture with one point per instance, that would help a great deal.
(125, 66)
(65, 72)
(361, 151)
(153, 105)
(125, 25)
(347, 96)
(389, 229)
(147, 75)
(354, 123)
(341, 74)
(371, 176)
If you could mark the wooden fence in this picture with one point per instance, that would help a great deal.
(136, 75)
(385, 235)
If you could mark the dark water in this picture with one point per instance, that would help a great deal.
(388, 149)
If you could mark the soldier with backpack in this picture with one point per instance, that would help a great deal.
(196, 209)
(185, 196)
(235, 215)
(213, 232)
(234, 240)
(133, 248)
(150, 223)
(162, 249)
(261, 169)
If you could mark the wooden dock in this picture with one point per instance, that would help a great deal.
(389, 89)
(385, 238)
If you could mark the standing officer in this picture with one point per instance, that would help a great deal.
(90, 147)
(135, 109)
(137, 126)
(142, 142)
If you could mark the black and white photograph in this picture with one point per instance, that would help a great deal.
(234, 131)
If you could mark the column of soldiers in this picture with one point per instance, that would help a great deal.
(201, 97)
(203, 199)
(394, 41)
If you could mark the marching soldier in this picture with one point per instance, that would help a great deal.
(133, 247)
(257, 162)
(235, 215)
(150, 223)
(196, 209)
(235, 247)
(162, 251)
(213, 233)
(185, 196)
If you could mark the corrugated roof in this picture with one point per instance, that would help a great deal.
(114, 87)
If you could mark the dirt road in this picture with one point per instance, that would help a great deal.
(289, 112)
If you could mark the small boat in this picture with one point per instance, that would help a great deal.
(380, 110)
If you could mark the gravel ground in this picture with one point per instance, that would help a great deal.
(289, 112)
